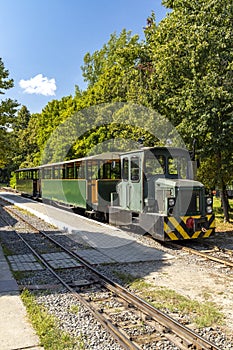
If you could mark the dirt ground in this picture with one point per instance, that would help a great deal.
(198, 283)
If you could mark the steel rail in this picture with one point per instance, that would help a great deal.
(203, 255)
(193, 340)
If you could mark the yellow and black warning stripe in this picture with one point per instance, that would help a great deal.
(175, 228)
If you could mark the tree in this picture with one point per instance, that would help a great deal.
(192, 83)
(20, 137)
(20, 122)
(110, 70)
(7, 112)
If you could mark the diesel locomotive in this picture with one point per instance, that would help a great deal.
(150, 188)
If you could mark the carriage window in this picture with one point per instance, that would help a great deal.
(125, 169)
(135, 170)
(115, 169)
(35, 174)
(109, 170)
(57, 173)
(80, 169)
(178, 166)
(155, 165)
(105, 171)
(70, 171)
(76, 170)
(92, 169)
(47, 173)
(95, 170)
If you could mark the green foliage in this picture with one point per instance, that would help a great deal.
(13, 180)
(115, 56)
(192, 69)
(21, 137)
(117, 71)
(110, 127)
(46, 326)
(7, 112)
(111, 137)
(5, 83)
(203, 314)
(191, 51)
(222, 226)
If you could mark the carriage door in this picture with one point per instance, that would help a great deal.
(131, 186)
(135, 184)
(92, 176)
(124, 185)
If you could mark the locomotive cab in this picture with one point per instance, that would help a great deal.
(157, 193)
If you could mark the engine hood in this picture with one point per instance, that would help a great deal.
(162, 182)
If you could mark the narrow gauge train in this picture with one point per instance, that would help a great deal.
(151, 188)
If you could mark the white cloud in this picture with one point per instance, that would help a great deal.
(39, 85)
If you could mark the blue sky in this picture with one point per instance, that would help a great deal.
(43, 42)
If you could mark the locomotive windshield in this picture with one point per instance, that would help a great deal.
(171, 166)
(155, 165)
(178, 166)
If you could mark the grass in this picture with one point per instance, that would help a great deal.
(6, 250)
(219, 219)
(19, 275)
(202, 314)
(24, 211)
(74, 309)
(46, 326)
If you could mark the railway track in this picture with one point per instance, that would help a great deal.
(217, 254)
(92, 293)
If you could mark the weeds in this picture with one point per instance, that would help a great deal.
(46, 326)
(202, 314)
(219, 218)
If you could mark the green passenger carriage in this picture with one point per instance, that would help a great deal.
(27, 182)
(84, 183)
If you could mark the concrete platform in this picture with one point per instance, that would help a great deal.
(111, 243)
(15, 331)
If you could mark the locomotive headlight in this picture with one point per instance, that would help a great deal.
(171, 202)
(209, 201)
(209, 209)
(170, 205)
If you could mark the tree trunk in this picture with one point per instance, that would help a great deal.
(225, 204)
(223, 190)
